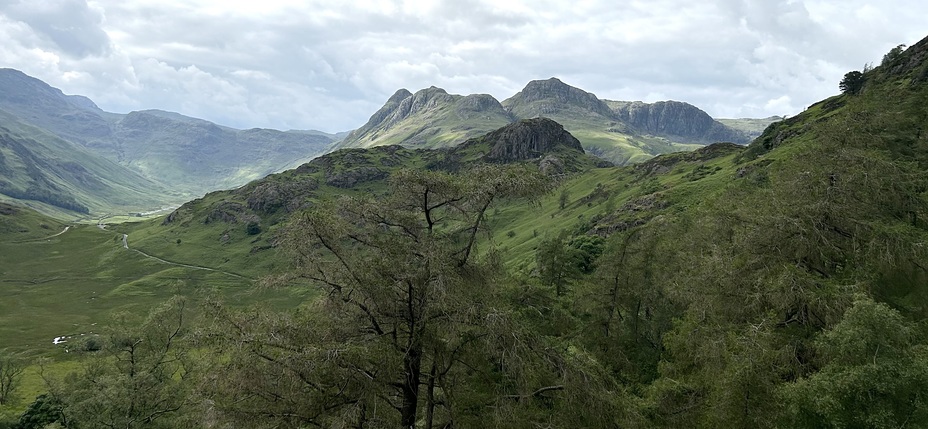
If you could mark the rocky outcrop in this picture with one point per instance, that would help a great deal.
(911, 60)
(270, 196)
(351, 177)
(525, 140)
(676, 119)
(387, 111)
(227, 212)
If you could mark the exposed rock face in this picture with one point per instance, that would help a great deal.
(675, 120)
(426, 99)
(228, 212)
(353, 176)
(912, 59)
(551, 165)
(547, 97)
(387, 111)
(678, 119)
(270, 196)
(432, 118)
(477, 103)
(525, 140)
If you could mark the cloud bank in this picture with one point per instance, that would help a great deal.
(329, 65)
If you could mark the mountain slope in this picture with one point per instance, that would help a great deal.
(56, 176)
(676, 120)
(622, 132)
(197, 156)
(753, 127)
(188, 155)
(72, 118)
(555, 99)
(429, 118)
(779, 284)
(434, 118)
(242, 224)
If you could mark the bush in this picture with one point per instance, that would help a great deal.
(44, 411)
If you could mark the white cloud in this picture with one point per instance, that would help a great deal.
(329, 65)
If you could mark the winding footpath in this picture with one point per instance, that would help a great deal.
(125, 245)
(44, 238)
(62, 232)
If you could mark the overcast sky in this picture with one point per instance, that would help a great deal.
(328, 65)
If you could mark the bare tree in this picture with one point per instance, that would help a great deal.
(11, 371)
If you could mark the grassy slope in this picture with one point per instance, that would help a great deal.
(608, 195)
(197, 156)
(33, 158)
(73, 283)
(126, 278)
(442, 125)
(752, 126)
(599, 199)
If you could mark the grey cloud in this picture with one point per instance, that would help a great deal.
(326, 65)
(72, 25)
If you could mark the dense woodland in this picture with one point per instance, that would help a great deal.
(786, 287)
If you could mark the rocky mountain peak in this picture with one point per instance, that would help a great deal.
(428, 98)
(398, 96)
(544, 97)
(415, 118)
(479, 103)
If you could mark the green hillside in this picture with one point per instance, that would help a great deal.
(197, 156)
(430, 118)
(515, 282)
(189, 156)
(62, 179)
(753, 127)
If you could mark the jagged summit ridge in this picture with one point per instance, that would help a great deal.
(430, 117)
(621, 132)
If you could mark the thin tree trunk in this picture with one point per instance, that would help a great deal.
(412, 364)
(430, 398)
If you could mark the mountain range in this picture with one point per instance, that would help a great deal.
(619, 131)
(163, 157)
(64, 155)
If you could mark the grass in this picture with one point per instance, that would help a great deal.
(752, 126)
(600, 194)
(37, 165)
(445, 123)
(73, 284)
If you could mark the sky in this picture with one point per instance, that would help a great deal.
(329, 65)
